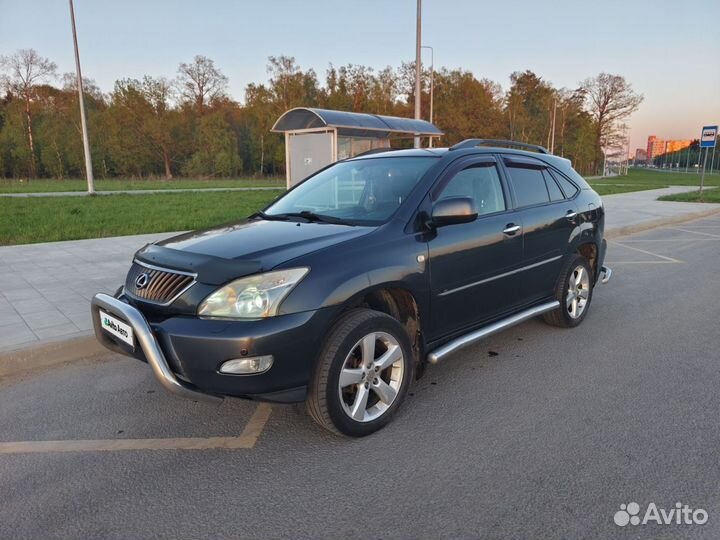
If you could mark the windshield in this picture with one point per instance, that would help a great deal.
(363, 192)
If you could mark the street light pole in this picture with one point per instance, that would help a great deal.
(432, 86)
(418, 39)
(552, 136)
(83, 120)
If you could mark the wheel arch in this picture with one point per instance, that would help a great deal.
(400, 303)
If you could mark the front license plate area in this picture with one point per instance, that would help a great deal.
(117, 328)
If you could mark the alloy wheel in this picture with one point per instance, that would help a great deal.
(371, 376)
(578, 292)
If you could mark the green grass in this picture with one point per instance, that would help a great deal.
(612, 189)
(48, 219)
(709, 196)
(44, 185)
(642, 179)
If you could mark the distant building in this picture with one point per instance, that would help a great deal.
(677, 145)
(657, 147)
(640, 154)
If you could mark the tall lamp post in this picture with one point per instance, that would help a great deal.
(432, 85)
(418, 40)
(83, 120)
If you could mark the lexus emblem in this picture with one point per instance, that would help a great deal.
(142, 281)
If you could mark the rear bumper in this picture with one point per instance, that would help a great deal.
(185, 353)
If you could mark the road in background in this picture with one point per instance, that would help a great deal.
(534, 433)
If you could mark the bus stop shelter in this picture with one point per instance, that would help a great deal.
(315, 138)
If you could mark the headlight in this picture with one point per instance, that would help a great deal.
(252, 297)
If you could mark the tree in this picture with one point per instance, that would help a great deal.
(610, 99)
(25, 70)
(466, 107)
(529, 105)
(200, 82)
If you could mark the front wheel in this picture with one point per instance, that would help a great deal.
(362, 375)
(574, 292)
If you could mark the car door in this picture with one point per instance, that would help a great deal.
(548, 220)
(470, 262)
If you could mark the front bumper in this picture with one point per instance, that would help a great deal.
(185, 353)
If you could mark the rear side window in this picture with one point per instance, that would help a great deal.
(568, 187)
(529, 186)
(552, 187)
(481, 183)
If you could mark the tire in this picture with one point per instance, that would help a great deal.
(573, 284)
(383, 387)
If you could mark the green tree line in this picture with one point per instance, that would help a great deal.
(190, 126)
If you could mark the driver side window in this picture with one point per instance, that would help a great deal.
(479, 182)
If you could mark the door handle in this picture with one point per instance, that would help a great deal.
(511, 229)
(571, 215)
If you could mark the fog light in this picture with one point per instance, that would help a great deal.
(247, 366)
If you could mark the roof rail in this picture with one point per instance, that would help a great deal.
(375, 151)
(472, 143)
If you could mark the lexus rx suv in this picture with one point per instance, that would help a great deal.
(342, 290)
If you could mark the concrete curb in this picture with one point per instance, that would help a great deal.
(29, 359)
(35, 357)
(611, 234)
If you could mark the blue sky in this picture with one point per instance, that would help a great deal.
(664, 48)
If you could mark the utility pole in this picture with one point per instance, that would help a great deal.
(552, 136)
(83, 120)
(432, 86)
(418, 65)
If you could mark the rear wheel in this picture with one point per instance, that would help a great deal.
(574, 292)
(362, 375)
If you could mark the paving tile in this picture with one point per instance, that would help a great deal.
(8, 316)
(64, 331)
(45, 319)
(16, 334)
(62, 295)
(22, 294)
(24, 307)
(82, 321)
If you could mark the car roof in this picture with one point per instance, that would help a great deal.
(561, 163)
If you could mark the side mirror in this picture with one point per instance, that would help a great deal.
(453, 210)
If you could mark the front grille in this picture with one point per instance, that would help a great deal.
(161, 286)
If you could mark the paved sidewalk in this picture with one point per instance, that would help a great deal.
(45, 288)
(135, 192)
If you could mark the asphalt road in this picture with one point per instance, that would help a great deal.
(535, 433)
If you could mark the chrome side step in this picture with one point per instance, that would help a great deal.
(605, 274)
(468, 339)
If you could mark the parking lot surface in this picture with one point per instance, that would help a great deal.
(537, 432)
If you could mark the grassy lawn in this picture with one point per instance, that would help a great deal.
(611, 189)
(642, 179)
(26, 221)
(709, 196)
(37, 186)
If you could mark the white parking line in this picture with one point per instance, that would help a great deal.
(665, 259)
(247, 439)
(695, 232)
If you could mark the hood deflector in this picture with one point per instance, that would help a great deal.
(209, 269)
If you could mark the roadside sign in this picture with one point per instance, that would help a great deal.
(708, 136)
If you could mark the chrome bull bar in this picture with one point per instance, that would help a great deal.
(148, 343)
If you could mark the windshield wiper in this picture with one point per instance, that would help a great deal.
(318, 218)
(268, 217)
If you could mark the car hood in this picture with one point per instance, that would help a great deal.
(239, 249)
